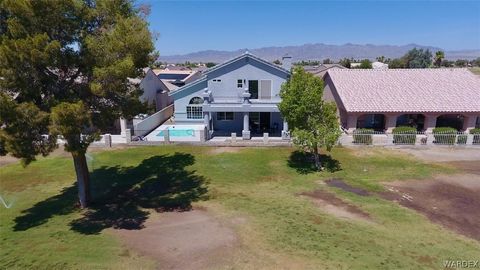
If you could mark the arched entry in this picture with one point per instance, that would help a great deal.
(372, 121)
(411, 120)
(450, 120)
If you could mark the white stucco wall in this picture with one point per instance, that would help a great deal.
(228, 85)
(150, 85)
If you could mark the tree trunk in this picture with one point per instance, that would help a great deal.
(83, 178)
(316, 155)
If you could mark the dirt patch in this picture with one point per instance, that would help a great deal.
(220, 150)
(451, 201)
(442, 154)
(467, 166)
(338, 183)
(335, 206)
(5, 160)
(183, 240)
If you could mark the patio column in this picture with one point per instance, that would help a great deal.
(469, 122)
(285, 133)
(246, 123)
(430, 122)
(206, 122)
(123, 126)
(351, 123)
(390, 122)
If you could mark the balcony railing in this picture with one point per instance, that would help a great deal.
(239, 99)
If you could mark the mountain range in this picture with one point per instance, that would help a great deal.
(318, 51)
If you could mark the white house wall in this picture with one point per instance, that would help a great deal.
(227, 87)
(150, 85)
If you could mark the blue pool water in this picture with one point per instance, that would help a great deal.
(178, 133)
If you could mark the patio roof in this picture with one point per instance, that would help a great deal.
(407, 90)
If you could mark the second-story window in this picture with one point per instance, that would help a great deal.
(239, 83)
(194, 108)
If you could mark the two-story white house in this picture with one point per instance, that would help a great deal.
(239, 96)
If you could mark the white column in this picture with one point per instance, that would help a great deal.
(430, 122)
(390, 122)
(206, 122)
(246, 123)
(285, 133)
(128, 135)
(123, 125)
(469, 122)
(351, 123)
(108, 140)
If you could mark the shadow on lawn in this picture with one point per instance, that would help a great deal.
(304, 162)
(123, 195)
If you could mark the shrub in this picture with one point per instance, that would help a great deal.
(476, 135)
(445, 135)
(404, 135)
(363, 136)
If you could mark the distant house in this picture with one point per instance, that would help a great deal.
(423, 98)
(157, 83)
(322, 69)
(379, 65)
(239, 96)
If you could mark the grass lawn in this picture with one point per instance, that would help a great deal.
(475, 70)
(44, 230)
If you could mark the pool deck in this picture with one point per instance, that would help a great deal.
(153, 136)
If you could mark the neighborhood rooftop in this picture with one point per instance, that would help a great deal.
(407, 90)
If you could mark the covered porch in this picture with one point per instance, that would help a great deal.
(246, 124)
(426, 122)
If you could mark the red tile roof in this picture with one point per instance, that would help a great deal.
(407, 90)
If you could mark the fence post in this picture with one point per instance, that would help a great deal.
(430, 138)
(469, 139)
(234, 137)
(108, 140)
(128, 135)
(389, 141)
(203, 134)
(166, 135)
(265, 137)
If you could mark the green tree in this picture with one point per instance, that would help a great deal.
(396, 63)
(210, 64)
(476, 62)
(314, 122)
(65, 69)
(345, 62)
(461, 63)
(365, 64)
(418, 58)
(327, 61)
(381, 59)
(447, 63)
(439, 56)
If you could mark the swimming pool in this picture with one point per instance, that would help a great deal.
(173, 132)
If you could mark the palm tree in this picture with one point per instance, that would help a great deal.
(439, 56)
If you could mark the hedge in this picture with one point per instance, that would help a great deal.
(404, 135)
(476, 135)
(363, 136)
(445, 135)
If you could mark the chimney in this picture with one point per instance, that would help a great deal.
(287, 62)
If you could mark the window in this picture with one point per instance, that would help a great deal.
(253, 89)
(194, 108)
(265, 89)
(239, 83)
(224, 116)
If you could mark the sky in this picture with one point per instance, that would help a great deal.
(189, 26)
